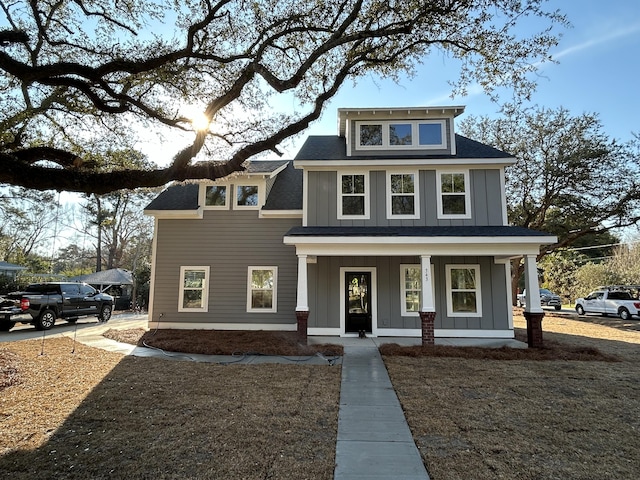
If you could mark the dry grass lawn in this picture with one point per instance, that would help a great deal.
(92, 414)
(475, 415)
(525, 419)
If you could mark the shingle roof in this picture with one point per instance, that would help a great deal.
(333, 147)
(433, 231)
(286, 192)
(176, 197)
(185, 196)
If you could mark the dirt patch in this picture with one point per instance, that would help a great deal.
(526, 419)
(96, 414)
(219, 342)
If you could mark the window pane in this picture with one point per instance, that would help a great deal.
(464, 302)
(463, 278)
(370, 134)
(194, 278)
(402, 205)
(412, 302)
(353, 205)
(353, 184)
(402, 183)
(192, 299)
(400, 134)
(453, 205)
(262, 299)
(446, 182)
(412, 278)
(457, 182)
(262, 279)
(215, 196)
(430, 133)
(248, 195)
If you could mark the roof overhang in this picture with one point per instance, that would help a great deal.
(175, 214)
(505, 242)
(440, 163)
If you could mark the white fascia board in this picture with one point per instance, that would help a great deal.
(175, 213)
(280, 214)
(386, 246)
(420, 162)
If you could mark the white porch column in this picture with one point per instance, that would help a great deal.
(426, 295)
(302, 299)
(531, 285)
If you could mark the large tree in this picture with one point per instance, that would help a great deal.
(79, 75)
(570, 179)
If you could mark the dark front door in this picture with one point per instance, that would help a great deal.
(358, 299)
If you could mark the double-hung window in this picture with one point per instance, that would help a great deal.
(194, 288)
(411, 288)
(463, 291)
(402, 195)
(453, 195)
(353, 201)
(262, 285)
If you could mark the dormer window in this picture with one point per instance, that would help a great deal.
(247, 196)
(415, 134)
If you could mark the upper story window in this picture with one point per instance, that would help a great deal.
(454, 199)
(353, 201)
(215, 196)
(414, 134)
(402, 195)
(247, 196)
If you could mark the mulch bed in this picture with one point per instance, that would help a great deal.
(222, 342)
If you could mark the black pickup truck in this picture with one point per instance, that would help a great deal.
(40, 304)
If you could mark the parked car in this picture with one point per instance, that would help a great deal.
(610, 301)
(40, 304)
(547, 298)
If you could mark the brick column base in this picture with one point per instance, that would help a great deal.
(303, 320)
(428, 321)
(534, 329)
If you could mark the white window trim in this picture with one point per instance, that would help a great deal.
(403, 291)
(416, 194)
(203, 196)
(205, 289)
(274, 303)
(234, 190)
(367, 192)
(386, 145)
(478, 290)
(467, 195)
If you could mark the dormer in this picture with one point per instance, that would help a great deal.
(398, 131)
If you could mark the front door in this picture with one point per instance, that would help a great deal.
(358, 302)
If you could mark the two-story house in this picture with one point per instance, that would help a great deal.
(396, 226)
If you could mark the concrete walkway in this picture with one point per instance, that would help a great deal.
(374, 440)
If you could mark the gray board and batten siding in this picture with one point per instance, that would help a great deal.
(324, 292)
(228, 241)
(485, 188)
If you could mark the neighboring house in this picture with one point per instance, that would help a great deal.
(117, 282)
(10, 270)
(396, 226)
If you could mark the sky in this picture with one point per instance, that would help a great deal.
(598, 72)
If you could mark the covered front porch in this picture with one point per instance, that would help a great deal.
(458, 287)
